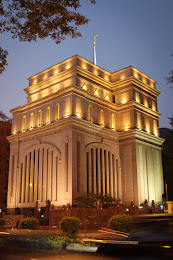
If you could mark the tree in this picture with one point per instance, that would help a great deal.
(3, 116)
(91, 199)
(170, 78)
(167, 157)
(29, 20)
(171, 121)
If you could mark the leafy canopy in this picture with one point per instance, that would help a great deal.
(171, 121)
(29, 20)
(91, 199)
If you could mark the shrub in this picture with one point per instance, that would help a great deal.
(40, 243)
(2, 222)
(28, 223)
(121, 223)
(44, 221)
(70, 226)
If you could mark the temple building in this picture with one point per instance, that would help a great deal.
(85, 130)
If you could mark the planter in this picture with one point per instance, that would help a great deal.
(81, 248)
(170, 206)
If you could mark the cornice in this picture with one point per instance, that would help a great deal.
(89, 96)
(139, 135)
(42, 100)
(133, 80)
(61, 125)
(68, 60)
(50, 81)
(146, 110)
(96, 79)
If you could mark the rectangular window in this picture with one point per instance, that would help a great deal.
(39, 118)
(89, 113)
(57, 111)
(32, 121)
(24, 124)
(48, 115)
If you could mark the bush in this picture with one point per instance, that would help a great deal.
(44, 221)
(122, 223)
(70, 226)
(2, 222)
(28, 223)
(40, 243)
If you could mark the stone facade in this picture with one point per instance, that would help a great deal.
(85, 130)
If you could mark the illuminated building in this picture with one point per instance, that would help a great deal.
(85, 130)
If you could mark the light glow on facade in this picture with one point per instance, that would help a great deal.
(101, 152)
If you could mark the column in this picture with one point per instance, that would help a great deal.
(56, 172)
(98, 171)
(23, 180)
(49, 175)
(89, 170)
(54, 177)
(20, 182)
(111, 171)
(27, 179)
(103, 171)
(45, 176)
(40, 174)
(36, 175)
(115, 169)
(119, 192)
(31, 178)
(107, 171)
(94, 170)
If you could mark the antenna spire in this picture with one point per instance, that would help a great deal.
(94, 54)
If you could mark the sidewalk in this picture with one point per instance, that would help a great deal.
(141, 236)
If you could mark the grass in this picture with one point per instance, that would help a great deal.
(43, 243)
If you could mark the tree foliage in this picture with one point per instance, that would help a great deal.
(122, 223)
(170, 78)
(3, 59)
(70, 226)
(171, 121)
(167, 158)
(91, 199)
(29, 20)
(29, 223)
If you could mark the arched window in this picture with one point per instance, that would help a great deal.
(89, 113)
(24, 124)
(48, 115)
(57, 111)
(39, 118)
(31, 120)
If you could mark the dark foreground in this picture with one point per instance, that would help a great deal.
(152, 239)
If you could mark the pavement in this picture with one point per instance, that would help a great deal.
(147, 228)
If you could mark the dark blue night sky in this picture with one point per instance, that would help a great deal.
(130, 32)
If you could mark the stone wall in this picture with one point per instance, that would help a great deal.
(12, 220)
(92, 219)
